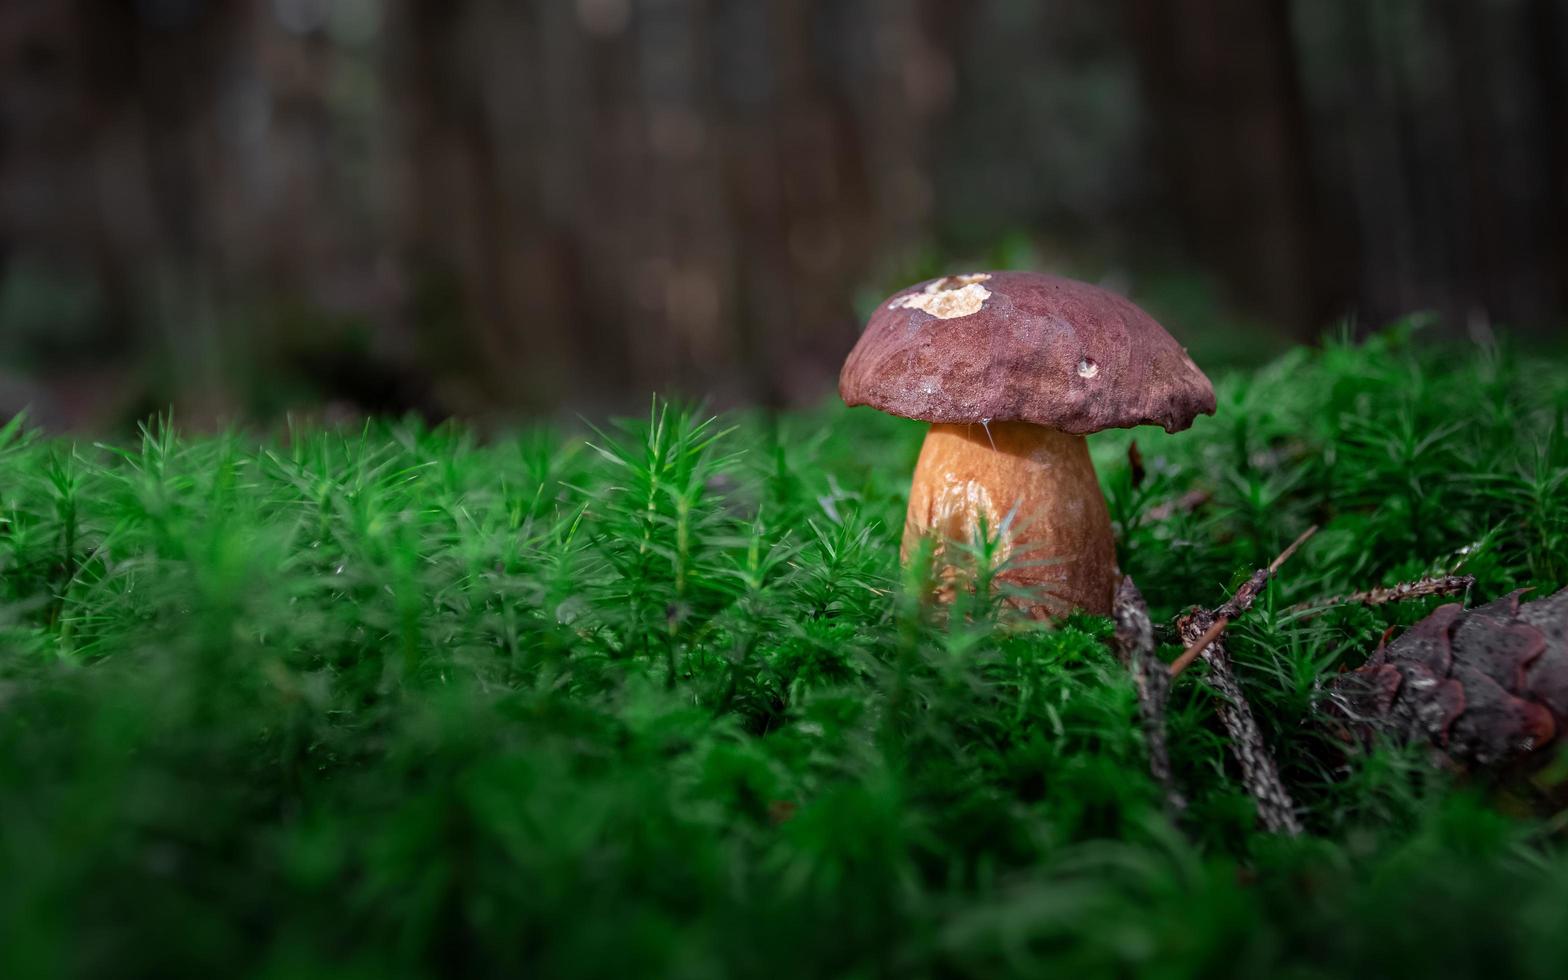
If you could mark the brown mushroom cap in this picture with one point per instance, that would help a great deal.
(1023, 346)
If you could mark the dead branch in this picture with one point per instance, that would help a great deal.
(1248, 593)
(1135, 645)
(1258, 770)
(1426, 588)
(1202, 629)
(1237, 604)
(1199, 645)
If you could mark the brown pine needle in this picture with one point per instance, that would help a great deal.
(1284, 556)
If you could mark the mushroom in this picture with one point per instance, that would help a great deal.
(1012, 370)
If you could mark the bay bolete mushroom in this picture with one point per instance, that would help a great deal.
(1012, 370)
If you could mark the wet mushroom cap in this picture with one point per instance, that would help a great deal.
(1024, 346)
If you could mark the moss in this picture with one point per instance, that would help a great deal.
(661, 701)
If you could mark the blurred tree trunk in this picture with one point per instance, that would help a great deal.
(1547, 26)
(1443, 141)
(1370, 158)
(677, 196)
(195, 163)
(1230, 136)
(573, 202)
(162, 88)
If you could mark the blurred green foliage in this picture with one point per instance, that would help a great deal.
(660, 700)
(49, 318)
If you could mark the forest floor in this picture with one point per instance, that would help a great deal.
(659, 700)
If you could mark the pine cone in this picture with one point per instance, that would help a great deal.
(1486, 686)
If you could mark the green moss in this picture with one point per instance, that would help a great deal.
(660, 701)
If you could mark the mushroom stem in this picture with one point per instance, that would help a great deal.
(1037, 486)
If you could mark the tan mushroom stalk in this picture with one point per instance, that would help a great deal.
(1037, 488)
(1013, 370)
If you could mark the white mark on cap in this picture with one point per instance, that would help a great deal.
(1087, 368)
(949, 297)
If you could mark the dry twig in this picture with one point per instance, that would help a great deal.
(1236, 605)
(1135, 645)
(1202, 628)
(1199, 645)
(1440, 585)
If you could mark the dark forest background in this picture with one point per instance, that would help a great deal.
(538, 206)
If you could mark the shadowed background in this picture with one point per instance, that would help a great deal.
(494, 208)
